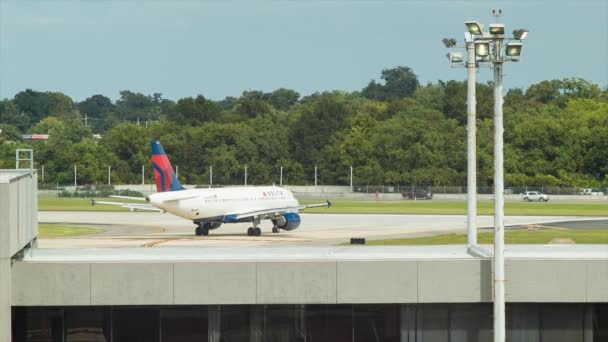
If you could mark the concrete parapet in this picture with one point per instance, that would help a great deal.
(340, 275)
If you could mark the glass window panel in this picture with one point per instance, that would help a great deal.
(376, 323)
(234, 323)
(284, 323)
(184, 325)
(328, 323)
(135, 325)
(600, 322)
(561, 323)
(471, 323)
(433, 323)
(32, 324)
(523, 322)
(87, 324)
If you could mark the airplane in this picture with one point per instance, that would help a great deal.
(212, 207)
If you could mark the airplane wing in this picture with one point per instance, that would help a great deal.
(275, 211)
(129, 198)
(130, 206)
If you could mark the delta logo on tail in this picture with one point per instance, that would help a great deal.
(166, 180)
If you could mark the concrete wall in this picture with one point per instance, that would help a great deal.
(18, 227)
(305, 282)
(18, 211)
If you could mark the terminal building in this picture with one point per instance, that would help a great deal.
(405, 294)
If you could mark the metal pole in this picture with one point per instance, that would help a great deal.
(177, 171)
(499, 232)
(210, 175)
(315, 175)
(142, 175)
(245, 174)
(75, 175)
(109, 175)
(351, 178)
(281, 177)
(471, 145)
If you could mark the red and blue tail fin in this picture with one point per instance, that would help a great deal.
(166, 180)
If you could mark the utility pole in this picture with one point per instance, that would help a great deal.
(351, 179)
(245, 175)
(75, 177)
(177, 171)
(210, 175)
(42, 173)
(142, 175)
(315, 175)
(471, 145)
(109, 174)
(281, 177)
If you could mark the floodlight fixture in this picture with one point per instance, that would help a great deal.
(474, 27)
(482, 48)
(497, 29)
(520, 34)
(449, 42)
(455, 57)
(513, 49)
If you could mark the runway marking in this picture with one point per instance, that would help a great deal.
(154, 243)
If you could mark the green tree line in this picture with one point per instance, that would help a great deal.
(393, 131)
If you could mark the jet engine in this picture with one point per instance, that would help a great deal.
(288, 221)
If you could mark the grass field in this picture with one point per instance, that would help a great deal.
(381, 207)
(77, 204)
(519, 236)
(55, 230)
(460, 208)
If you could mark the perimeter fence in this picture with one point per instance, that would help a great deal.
(138, 190)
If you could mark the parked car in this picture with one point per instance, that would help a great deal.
(534, 196)
(592, 192)
(417, 194)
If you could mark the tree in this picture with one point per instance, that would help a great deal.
(136, 106)
(10, 115)
(399, 82)
(194, 111)
(318, 121)
(95, 105)
(282, 98)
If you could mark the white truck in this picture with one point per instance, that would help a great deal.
(592, 192)
(530, 196)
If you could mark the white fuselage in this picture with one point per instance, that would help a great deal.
(199, 204)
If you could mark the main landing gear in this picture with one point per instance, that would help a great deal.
(202, 229)
(254, 231)
(275, 229)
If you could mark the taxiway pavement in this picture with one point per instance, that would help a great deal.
(129, 229)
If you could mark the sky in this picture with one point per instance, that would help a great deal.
(222, 48)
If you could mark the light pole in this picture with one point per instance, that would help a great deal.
(471, 65)
(489, 49)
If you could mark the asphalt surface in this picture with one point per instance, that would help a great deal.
(128, 229)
